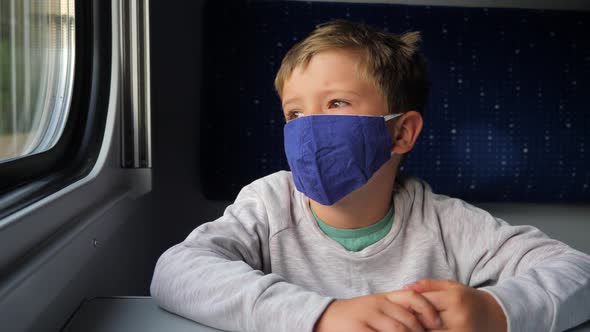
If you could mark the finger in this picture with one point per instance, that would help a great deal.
(440, 300)
(446, 311)
(425, 311)
(384, 323)
(431, 285)
(404, 316)
(448, 323)
(367, 328)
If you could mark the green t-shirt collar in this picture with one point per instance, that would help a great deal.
(335, 232)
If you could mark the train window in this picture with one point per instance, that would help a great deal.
(37, 51)
(55, 65)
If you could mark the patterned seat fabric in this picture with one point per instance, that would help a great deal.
(508, 118)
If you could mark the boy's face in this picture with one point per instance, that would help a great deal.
(331, 84)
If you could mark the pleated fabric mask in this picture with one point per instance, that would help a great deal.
(330, 156)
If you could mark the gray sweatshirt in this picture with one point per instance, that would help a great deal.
(266, 266)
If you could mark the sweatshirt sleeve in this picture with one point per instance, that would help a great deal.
(215, 277)
(541, 283)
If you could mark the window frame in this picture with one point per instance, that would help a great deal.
(28, 179)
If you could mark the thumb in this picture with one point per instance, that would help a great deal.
(432, 285)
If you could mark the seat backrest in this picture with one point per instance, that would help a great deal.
(508, 116)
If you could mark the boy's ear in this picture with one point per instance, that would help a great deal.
(406, 130)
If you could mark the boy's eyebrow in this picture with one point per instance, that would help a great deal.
(290, 100)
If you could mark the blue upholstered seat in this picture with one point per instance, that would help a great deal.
(508, 118)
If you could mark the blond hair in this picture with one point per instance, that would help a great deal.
(391, 62)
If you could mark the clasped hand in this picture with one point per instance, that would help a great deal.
(427, 305)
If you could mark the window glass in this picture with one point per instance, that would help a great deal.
(36, 74)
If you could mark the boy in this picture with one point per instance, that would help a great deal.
(345, 243)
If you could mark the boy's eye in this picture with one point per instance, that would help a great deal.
(294, 114)
(338, 103)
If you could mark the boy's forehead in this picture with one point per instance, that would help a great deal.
(331, 64)
(325, 70)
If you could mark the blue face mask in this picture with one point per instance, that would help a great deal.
(332, 155)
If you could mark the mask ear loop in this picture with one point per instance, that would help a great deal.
(390, 117)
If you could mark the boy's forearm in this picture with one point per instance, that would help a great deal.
(555, 292)
(230, 295)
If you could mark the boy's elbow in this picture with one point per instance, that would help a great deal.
(154, 292)
(156, 284)
(159, 287)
